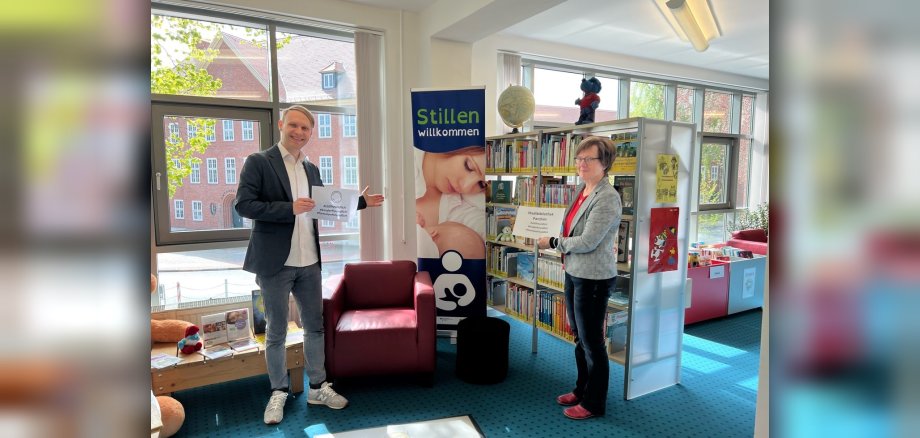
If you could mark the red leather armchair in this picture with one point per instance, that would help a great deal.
(380, 319)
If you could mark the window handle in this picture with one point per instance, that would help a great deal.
(158, 180)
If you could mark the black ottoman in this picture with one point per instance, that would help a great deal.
(482, 349)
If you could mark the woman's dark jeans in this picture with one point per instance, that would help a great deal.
(586, 307)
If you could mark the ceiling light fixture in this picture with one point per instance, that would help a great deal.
(692, 20)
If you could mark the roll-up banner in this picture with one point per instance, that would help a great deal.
(448, 130)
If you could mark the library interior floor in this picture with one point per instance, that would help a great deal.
(716, 396)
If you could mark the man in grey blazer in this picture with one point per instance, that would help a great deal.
(588, 236)
(275, 190)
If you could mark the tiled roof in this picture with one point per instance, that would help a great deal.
(300, 66)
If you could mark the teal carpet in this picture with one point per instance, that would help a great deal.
(716, 396)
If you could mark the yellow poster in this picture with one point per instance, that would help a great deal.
(666, 179)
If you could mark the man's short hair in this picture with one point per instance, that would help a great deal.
(301, 109)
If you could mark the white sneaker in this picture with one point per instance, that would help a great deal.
(274, 412)
(325, 395)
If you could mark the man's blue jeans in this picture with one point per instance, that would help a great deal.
(306, 285)
(586, 307)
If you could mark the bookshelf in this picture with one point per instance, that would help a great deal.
(540, 165)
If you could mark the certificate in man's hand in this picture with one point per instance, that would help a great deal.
(334, 204)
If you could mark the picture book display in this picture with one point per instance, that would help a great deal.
(224, 333)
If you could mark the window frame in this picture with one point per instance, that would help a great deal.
(331, 83)
(231, 131)
(210, 135)
(178, 206)
(268, 134)
(208, 162)
(323, 167)
(349, 125)
(194, 176)
(732, 144)
(248, 130)
(230, 170)
(324, 130)
(162, 106)
(197, 213)
(348, 170)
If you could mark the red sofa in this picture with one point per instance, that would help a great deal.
(754, 240)
(380, 319)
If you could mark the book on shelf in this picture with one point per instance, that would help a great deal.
(229, 329)
(504, 218)
(258, 312)
(622, 244)
(626, 186)
(525, 266)
(216, 351)
(501, 192)
(162, 360)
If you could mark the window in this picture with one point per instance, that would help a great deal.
(684, 104)
(326, 224)
(177, 164)
(716, 166)
(350, 170)
(209, 135)
(325, 170)
(747, 114)
(196, 211)
(212, 170)
(349, 125)
(228, 130)
(328, 81)
(352, 223)
(195, 177)
(179, 207)
(230, 170)
(325, 125)
(555, 91)
(228, 50)
(717, 109)
(646, 100)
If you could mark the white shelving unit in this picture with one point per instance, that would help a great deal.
(655, 301)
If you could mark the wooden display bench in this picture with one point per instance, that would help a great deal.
(195, 370)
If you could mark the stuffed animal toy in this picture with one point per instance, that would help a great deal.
(191, 342)
(505, 235)
(590, 101)
(172, 414)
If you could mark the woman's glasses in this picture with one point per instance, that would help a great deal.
(586, 160)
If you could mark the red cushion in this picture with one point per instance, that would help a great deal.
(387, 319)
(755, 235)
(365, 282)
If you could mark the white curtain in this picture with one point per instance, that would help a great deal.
(510, 73)
(371, 141)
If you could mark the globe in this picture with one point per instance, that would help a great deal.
(515, 105)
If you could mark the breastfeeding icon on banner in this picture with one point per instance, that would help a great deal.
(453, 290)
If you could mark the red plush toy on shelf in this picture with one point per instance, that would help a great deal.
(192, 340)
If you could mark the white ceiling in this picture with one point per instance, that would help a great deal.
(637, 28)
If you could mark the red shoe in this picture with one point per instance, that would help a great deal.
(568, 399)
(577, 413)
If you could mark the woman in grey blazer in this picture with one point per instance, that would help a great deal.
(588, 236)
